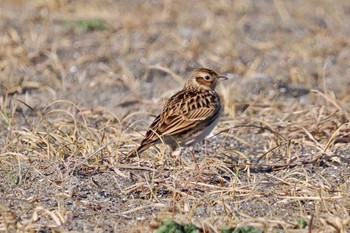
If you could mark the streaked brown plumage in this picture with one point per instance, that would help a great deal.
(189, 115)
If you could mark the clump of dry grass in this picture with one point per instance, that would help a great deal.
(284, 170)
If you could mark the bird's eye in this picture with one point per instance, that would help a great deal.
(207, 77)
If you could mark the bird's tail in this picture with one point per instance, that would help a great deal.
(139, 150)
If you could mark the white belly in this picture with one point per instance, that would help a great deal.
(206, 131)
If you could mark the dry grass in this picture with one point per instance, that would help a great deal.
(79, 79)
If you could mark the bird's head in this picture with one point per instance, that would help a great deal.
(203, 79)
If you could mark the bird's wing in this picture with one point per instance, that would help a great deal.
(184, 111)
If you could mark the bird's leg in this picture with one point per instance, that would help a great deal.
(197, 172)
(175, 153)
(190, 149)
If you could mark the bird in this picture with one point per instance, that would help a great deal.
(188, 116)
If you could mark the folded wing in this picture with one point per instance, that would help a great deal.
(182, 112)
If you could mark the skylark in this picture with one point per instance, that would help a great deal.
(188, 116)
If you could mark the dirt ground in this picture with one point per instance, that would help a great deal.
(80, 81)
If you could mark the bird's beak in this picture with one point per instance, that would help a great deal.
(222, 78)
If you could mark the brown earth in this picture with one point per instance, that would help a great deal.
(81, 80)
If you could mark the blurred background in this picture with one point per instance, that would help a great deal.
(117, 54)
